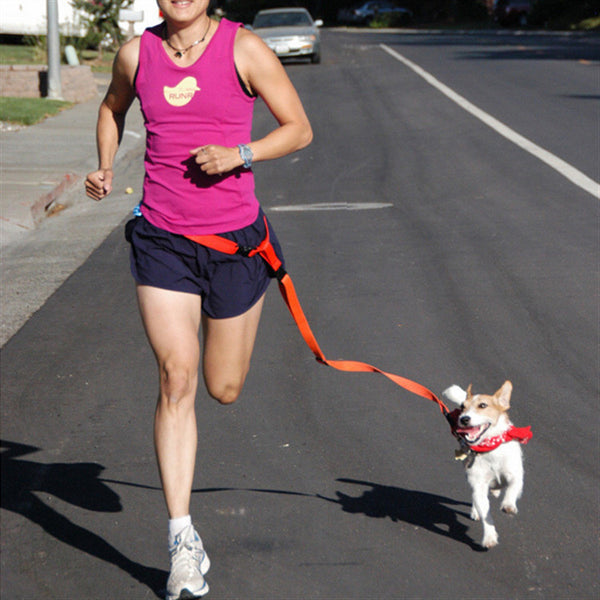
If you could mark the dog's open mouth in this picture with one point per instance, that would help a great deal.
(472, 434)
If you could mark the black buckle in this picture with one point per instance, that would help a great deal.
(245, 250)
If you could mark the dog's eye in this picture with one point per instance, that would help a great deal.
(482, 405)
(462, 406)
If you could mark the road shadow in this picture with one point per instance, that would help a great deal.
(79, 485)
(428, 511)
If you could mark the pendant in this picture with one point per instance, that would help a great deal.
(178, 54)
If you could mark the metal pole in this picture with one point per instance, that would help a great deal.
(54, 81)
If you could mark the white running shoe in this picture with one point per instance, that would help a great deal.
(189, 564)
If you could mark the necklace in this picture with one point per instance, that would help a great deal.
(179, 52)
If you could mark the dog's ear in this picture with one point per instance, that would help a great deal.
(503, 395)
(455, 394)
(470, 391)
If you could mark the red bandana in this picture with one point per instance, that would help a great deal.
(516, 434)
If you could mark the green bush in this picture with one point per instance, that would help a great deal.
(101, 19)
(390, 20)
(470, 10)
(563, 14)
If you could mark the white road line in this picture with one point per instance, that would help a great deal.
(331, 206)
(559, 165)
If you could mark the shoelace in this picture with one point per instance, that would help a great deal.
(180, 554)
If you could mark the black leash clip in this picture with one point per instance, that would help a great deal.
(245, 250)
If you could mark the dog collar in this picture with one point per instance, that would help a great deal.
(512, 434)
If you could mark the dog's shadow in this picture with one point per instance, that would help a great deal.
(78, 484)
(429, 511)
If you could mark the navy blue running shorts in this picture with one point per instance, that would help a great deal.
(228, 284)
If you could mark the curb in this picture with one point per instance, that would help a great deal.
(27, 200)
(48, 204)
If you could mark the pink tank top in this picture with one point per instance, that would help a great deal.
(187, 107)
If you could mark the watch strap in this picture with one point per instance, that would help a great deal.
(246, 155)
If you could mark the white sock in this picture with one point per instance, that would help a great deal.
(176, 526)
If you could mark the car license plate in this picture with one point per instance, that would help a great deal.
(282, 49)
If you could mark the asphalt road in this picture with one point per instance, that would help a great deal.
(475, 262)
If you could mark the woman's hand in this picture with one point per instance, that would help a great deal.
(217, 160)
(98, 184)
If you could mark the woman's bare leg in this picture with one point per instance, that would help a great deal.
(172, 321)
(228, 346)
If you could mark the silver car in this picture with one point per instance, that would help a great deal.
(289, 32)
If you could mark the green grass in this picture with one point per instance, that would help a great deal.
(28, 111)
(13, 54)
(99, 63)
(21, 55)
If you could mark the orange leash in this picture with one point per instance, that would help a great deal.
(288, 292)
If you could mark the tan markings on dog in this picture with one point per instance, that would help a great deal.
(483, 412)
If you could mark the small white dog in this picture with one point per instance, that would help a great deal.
(491, 445)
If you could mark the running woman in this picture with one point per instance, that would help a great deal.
(196, 80)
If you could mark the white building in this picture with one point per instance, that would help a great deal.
(28, 17)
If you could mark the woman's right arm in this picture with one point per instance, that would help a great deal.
(111, 118)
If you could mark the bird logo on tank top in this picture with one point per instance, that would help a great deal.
(182, 93)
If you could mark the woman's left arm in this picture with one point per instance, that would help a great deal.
(263, 74)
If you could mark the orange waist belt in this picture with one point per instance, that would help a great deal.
(266, 251)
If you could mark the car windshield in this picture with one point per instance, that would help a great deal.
(290, 19)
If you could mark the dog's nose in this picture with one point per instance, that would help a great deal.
(465, 420)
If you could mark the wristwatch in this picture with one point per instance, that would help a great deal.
(246, 155)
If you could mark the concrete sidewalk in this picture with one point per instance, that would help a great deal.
(48, 226)
(43, 166)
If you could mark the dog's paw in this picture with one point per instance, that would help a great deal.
(490, 540)
(509, 509)
(455, 394)
(474, 514)
(495, 493)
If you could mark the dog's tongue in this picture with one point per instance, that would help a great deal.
(468, 432)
